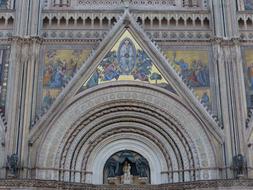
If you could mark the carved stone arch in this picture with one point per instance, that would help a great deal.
(72, 141)
(119, 127)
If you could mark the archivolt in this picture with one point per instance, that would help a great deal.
(106, 114)
(127, 117)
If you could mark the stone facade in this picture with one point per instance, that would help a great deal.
(168, 80)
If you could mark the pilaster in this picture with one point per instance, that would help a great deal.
(14, 97)
(34, 14)
(22, 17)
(231, 84)
(233, 109)
(220, 70)
(30, 88)
(217, 14)
(28, 17)
(21, 102)
(230, 19)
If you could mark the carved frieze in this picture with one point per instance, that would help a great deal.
(117, 4)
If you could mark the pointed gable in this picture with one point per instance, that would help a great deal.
(112, 42)
(127, 61)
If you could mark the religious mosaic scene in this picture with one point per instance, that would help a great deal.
(126, 94)
(127, 61)
(60, 65)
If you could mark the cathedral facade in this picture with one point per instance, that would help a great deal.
(126, 94)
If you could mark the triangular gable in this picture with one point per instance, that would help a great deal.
(127, 61)
(166, 70)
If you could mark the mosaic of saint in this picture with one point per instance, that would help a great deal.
(248, 4)
(248, 57)
(59, 67)
(193, 67)
(127, 61)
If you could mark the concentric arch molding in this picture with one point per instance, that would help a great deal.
(144, 95)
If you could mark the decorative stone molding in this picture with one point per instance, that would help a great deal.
(245, 25)
(91, 121)
(160, 26)
(26, 39)
(54, 138)
(201, 185)
(7, 21)
(134, 4)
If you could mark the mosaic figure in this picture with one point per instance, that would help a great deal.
(250, 75)
(142, 167)
(93, 80)
(196, 73)
(248, 72)
(126, 56)
(193, 66)
(59, 67)
(205, 99)
(58, 78)
(110, 67)
(143, 67)
(127, 61)
(47, 101)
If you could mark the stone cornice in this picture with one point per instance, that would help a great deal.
(26, 39)
(225, 41)
(132, 4)
(176, 186)
(134, 11)
(74, 41)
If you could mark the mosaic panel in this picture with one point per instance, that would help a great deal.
(248, 4)
(193, 66)
(127, 61)
(248, 72)
(59, 67)
(3, 4)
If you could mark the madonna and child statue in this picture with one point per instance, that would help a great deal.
(127, 178)
(127, 168)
